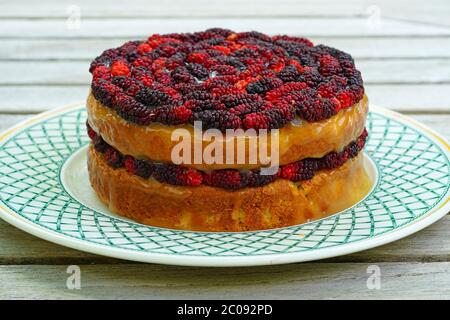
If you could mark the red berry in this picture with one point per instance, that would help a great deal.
(113, 157)
(91, 133)
(101, 72)
(190, 177)
(130, 164)
(119, 68)
(181, 114)
(144, 48)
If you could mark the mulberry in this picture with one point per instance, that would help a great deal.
(263, 85)
(245, 79)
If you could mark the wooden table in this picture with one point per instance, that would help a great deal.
(402, 49)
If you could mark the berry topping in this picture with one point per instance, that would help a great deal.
(226, 79)
(119, 68)
(227, 178)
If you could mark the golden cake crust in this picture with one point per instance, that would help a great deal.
(296, 142)
(203, 208)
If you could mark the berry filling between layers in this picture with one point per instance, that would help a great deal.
(225, 79)
(226, 178)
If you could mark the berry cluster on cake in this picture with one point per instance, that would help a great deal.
(143, 91)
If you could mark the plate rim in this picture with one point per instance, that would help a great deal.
(436, 213)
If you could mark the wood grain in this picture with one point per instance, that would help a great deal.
(434, 12)
(295, 281)
(402, 48)
(140, 28)
(428, 245)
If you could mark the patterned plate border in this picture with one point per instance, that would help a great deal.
(413, 193)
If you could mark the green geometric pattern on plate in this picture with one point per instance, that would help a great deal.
(414, 177)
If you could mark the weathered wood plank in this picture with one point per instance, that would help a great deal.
(183, 8)
(360, 48)
(141, 28)
(390, 71)
(436, 11)
(34, 99)
(411, 98)
(431, 244)
(296, 281)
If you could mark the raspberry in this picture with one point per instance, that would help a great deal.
(119, 68)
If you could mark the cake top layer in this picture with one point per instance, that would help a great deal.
(225, 79)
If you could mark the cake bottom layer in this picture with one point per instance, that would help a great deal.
(204, 208)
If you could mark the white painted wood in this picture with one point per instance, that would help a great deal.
(34, 99)
(404, 60)
(141, 28)
(184, 8)
(434, 11)
(295, 281)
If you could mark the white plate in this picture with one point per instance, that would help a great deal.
(44, 191)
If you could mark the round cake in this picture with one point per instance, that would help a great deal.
(271, 129)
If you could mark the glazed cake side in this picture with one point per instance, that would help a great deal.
(144, 90)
